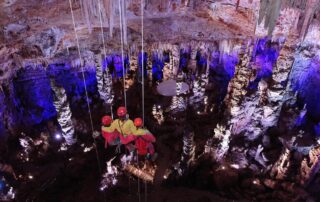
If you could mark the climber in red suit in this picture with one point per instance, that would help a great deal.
(110, 135)
(143, 139)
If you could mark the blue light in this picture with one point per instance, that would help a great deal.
(2, 185)
(264, 57)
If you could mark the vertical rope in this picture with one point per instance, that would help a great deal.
(145, 191)
(85, 86)
(142, 50)
(104, 46)
(122, 58)
(142, 68)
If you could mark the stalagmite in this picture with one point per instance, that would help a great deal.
(109, 178)
(223, 134)
(63, 112)
(310, 166)
(280, 169)
(178, 104)
(189, 147)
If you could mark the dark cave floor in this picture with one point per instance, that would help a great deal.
(74, 175)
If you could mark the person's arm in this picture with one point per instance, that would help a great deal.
(115, 125)
(106, 129)
(131, 128)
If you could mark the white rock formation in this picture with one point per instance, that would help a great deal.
(64, 114)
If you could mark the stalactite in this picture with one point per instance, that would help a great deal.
(311, 7)
(85, 7)
(63, 112)
(269, 11)
(90, 11)
(109, 8)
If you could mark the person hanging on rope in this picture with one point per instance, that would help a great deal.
(143, 140)
(110, 135)
(125, 127)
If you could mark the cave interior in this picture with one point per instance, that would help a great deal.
(227, 92)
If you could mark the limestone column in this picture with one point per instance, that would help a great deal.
(104, 81)
(64, 114)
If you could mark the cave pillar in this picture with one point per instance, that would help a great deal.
(174, 60)
(193, 57)
(278, 92)
(237, 112)
(104, 80)
(64, 114)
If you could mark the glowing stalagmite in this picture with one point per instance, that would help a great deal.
(63, 112)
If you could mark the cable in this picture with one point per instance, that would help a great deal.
(142, 52)
(122, 58)
(85, 86)
(104, 46)
(142, 74)
(145, 191)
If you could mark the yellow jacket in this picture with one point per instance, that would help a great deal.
(108, 129)
(125, 127)
(141, 131)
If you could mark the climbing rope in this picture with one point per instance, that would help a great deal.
(85, 86)
(142, 58)
(104, 46)
(142, 82)
(122, 55)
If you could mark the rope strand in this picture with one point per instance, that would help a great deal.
(122, 55)
(142, 50)
(85, 85)
(142, 67)
(104, 46)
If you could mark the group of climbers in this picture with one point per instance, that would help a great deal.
(124, 131)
